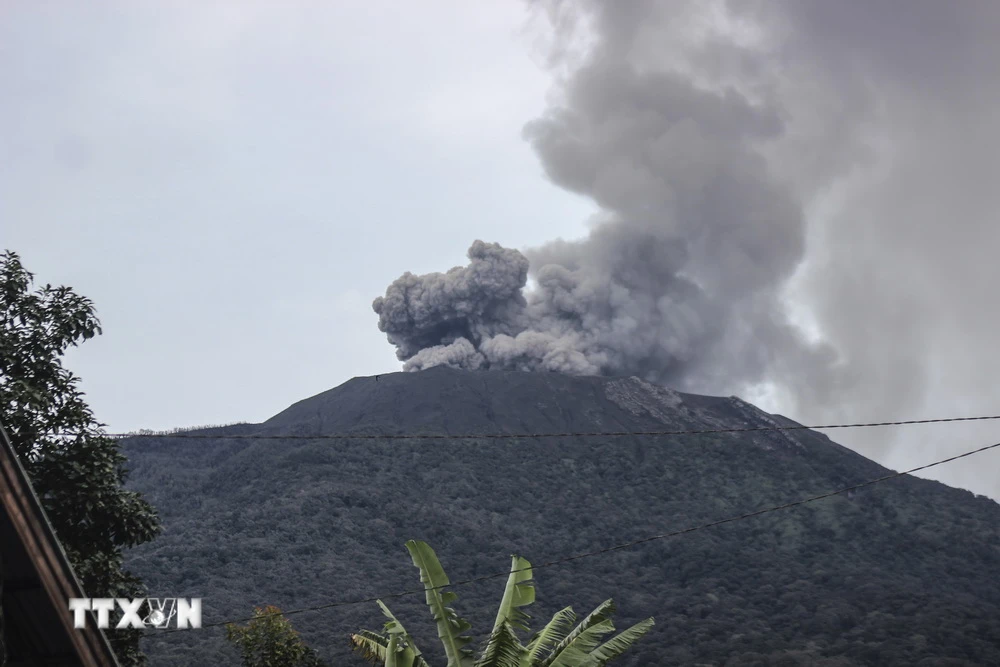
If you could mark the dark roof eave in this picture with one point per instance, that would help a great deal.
(35, 532)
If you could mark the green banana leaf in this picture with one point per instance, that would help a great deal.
(555, 645)
(390, 651)
(553, 633)
(519, 592)
(620, 643)
(503, 650)
(577, 652)
(370, 646)
(410, 654)
(602, 613)
(451, 627)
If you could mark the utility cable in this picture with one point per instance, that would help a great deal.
(504, 436)
(619, 547)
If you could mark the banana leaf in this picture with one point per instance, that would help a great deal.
(620, 643)
(451, 627)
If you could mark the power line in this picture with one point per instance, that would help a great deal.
(626, 545)
(507, 436)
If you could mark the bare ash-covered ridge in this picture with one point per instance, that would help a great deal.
(446, 400)
(449, 401)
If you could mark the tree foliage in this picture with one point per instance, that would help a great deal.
(79, 478)
(558, 644)
(897, 574)
(269, 640)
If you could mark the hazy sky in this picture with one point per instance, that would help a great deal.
(232, 183)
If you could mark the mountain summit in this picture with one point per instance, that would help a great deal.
(903, 572)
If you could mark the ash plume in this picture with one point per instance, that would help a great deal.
(677, 283)
(796, 197)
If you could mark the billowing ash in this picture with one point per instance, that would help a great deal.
(679, 280)
(478, 317)
(444, 318)
(708, 133)
(617, 303)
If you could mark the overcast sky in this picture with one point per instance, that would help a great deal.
(232, 183)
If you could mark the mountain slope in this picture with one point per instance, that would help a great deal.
(898, 573)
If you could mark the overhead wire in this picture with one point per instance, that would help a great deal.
(618, 547)
(504, 436)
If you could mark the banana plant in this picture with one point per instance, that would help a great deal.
(557, 644)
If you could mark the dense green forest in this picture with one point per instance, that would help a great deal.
(904, 572)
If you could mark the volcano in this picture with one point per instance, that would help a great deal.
(902, 572)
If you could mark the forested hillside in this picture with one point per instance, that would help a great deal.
(904, 572)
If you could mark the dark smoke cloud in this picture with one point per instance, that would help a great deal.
(756, 164)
